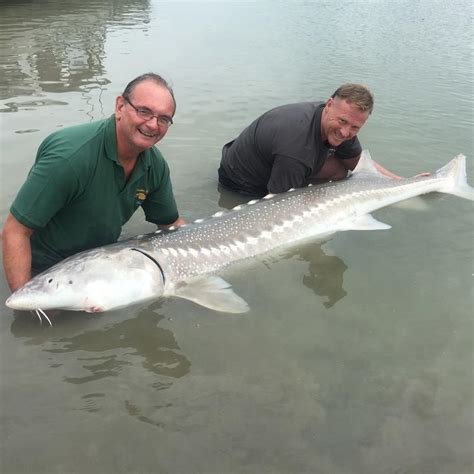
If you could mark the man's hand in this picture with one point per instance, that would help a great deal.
(177, 223)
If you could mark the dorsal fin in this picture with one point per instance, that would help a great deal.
(366, 165)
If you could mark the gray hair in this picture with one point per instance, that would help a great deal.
(149, 76)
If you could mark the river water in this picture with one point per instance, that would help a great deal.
(357, 353)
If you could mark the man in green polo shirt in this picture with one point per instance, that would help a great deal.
(88, 180)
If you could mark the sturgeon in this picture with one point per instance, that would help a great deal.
(183, 262)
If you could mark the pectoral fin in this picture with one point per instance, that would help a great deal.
(367, 222)
(212, 292)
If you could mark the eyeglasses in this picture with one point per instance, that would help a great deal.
(146, 114)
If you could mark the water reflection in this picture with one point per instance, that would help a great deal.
(106, 364)
(325, 273)
(59, 46)
(107, 351)
(30, 104)
(229, 199)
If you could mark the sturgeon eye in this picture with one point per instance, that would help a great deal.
(70, 282)
(50, 280)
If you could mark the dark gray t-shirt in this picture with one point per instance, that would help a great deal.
(280, 150)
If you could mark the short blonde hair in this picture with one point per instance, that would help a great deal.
(358, 94)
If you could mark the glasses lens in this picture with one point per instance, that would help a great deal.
(164, 121)
(145, 114)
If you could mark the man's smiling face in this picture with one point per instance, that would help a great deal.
(341, 120)
(133, 132)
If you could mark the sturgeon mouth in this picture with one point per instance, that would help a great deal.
(154, 261)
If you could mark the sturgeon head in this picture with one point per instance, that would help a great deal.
(96, 280)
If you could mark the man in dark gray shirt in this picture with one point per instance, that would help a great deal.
(293, 145)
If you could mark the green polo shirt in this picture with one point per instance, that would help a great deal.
(75, 196)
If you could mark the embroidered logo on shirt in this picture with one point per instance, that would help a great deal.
(140, 196)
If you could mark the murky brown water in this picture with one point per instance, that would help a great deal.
(356, 356)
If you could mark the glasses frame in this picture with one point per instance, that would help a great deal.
(147, 115)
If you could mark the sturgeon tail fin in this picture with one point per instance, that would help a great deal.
(456, 179)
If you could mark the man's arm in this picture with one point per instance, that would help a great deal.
(16, 252)
(386, 172)
(351, 163)
(286, 173)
